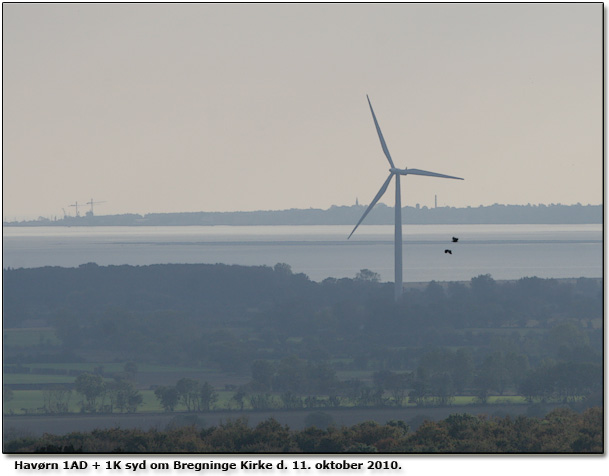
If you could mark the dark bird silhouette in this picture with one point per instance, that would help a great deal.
(448, 251)
(455, 239)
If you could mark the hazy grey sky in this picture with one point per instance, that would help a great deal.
(202, 107)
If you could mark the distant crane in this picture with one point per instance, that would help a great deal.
(93, 203)
(75, 204)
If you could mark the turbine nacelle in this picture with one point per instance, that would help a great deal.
(407, 171)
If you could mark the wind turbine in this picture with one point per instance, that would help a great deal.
(393, 171)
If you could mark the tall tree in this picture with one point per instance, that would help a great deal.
(91, 386)
(169, 397)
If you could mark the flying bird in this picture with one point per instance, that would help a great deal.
(448, 251)
(397, 173)
(455, 239)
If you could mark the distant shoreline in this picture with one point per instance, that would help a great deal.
(344, 215)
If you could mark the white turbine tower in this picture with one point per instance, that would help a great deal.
(398, 202)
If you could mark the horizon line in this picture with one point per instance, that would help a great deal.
(417, 206)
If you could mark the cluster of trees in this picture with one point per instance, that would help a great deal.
(560, 431)
(444, 373)
(120, 394)
(566, 381)
(96, 394)
(441, 375)
(192, 394)
(292, 374)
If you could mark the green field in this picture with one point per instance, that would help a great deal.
(113, 367)
(14, 379)
(29, 337)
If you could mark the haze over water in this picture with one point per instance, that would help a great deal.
(504, 251)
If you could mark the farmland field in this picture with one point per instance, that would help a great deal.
(30, 337)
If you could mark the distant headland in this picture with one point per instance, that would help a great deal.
(344, 215)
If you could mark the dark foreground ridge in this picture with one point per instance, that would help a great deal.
(345, 215)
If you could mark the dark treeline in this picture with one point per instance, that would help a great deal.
(540, 338)
(560, 431)
(346, 215)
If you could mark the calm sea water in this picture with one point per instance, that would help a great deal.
(504, 251)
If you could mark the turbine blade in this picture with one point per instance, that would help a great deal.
(376, 199)
(425, 172)
(378, 130)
